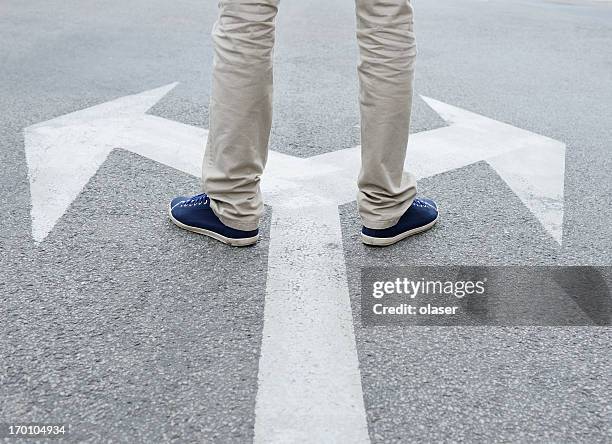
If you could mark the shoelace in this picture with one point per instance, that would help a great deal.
(198, 199)
(422, 204)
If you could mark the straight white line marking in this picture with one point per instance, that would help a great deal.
(309, 380)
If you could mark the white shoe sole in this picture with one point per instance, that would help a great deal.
(241, 242)
(386, 241)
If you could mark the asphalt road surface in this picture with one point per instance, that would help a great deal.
(132, 330)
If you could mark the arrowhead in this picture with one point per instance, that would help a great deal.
(532, 165)
(536, 175)
(64, 153)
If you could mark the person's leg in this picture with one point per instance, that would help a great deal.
(240, 112)
(387, 49)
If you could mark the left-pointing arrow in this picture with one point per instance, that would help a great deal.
(65, 152)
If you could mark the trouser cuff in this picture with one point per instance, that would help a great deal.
(380, 224)
(242, 224)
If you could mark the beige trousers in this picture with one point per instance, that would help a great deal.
(241, 109)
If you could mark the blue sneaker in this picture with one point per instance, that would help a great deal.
(194, 214)
(421, 216)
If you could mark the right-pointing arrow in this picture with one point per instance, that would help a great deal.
(532, 165)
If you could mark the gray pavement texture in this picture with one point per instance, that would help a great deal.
(129, 330)
(134, 331)
(476, 384)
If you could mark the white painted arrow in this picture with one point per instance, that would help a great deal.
(532, 165)
(309, 382)
(65, 152)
